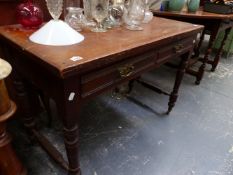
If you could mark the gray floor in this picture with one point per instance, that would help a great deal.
(119, 137)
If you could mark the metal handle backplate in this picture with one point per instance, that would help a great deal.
(126, 70)
(177, 48)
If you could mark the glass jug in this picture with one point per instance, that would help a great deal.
(75, 18)
(135, 14)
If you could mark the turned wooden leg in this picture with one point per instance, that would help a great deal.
(71, 139)
(178, 80)
(46, 102)
(219, 53)
(197, 49)
(206, 57)
(9, 163)
(25, 104)
(69, 105)
(130, 85)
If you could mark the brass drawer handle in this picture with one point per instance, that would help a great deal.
(126, 70)
(178, 48)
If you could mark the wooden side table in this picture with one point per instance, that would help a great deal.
(214, 23)
(9, 163)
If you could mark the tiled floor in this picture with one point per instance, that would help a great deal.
(119, 137)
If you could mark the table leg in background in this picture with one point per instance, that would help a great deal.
(201, 69)
(219, 53)
(178, 80)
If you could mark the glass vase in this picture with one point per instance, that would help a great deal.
(29, 15)
(176, 5)
(116, 12)
(193, 5)
(87, 14)
(99, 11)
(68, 4)
(148, 14)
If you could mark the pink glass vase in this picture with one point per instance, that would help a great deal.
(29, 15)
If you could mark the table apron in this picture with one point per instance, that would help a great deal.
(104, 78)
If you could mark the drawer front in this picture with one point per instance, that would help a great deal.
(174, 49)
(112, 75)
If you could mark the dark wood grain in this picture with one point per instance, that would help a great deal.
(5, 101)
(7, 12)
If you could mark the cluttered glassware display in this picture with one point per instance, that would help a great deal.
(101, 15)
(97, 16)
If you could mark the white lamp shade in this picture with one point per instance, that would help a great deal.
(56, 33)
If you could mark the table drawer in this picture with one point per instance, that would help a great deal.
(173, 50)
(111, 75)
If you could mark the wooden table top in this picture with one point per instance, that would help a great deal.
(97, 48)
(200, 14)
